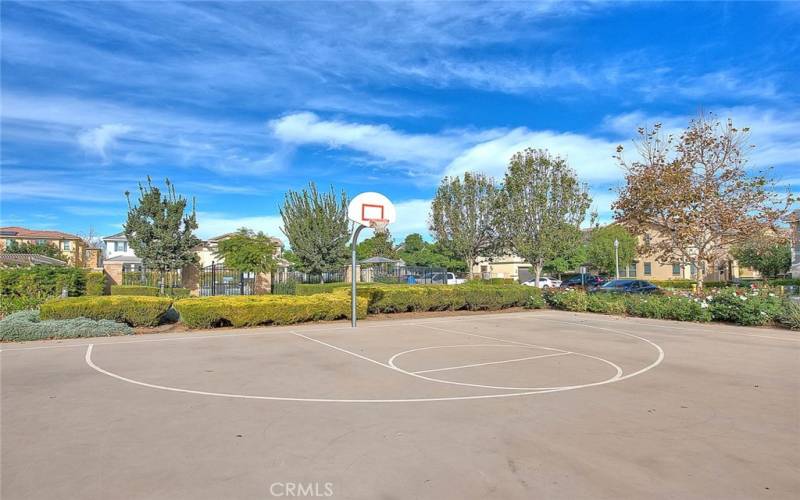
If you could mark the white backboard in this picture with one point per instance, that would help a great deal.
(368, 207)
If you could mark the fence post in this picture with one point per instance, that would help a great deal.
(213, 278)
(241, 283)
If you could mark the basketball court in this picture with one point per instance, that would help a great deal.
(539, 404)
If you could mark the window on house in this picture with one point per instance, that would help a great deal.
(632, 270)
(120, 246)
(648, 268)
(66, 244)
(41, 242)
(9, 242)
(647, 239)
(676, 269)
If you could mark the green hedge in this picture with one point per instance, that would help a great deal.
(26, 325)
(749, 308)
(95, 283)
(252, 310)
(492, 281)
(42, 281)
(134, 311)
(304, 289)
(11, 304)
(743, 307)
(149, 291)
(404, 298)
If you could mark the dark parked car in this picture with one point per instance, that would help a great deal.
(589, 281)
(628, 286)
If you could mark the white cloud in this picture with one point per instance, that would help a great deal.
(100, 139)
(590, 157)
(379, 141)
(412, 217)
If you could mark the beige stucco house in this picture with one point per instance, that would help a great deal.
(74, 250)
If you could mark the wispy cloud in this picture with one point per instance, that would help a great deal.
(100, 139)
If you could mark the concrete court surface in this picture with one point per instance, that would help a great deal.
(533, 405)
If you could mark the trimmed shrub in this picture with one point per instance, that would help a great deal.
(149, 291)
(784, 282)
(492, 281)
(748, 308)
(790, 317)
(134, 311)
(311, 289)
(252, 310)
(667, 307)
(13, 304)
(568, 300)
(177, 293)
(606, 304)
(535, 300)
(26, 325)
(42, 281)
(404, 298)
(95, 283)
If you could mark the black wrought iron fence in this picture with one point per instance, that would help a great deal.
(392, 273)
(217, 279)
(172, 279)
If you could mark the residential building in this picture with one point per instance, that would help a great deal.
(119, 258)
(794, 233)
(74, 250)
(645, 267)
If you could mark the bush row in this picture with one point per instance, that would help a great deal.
(42, 281)
(26, 325)
(95, 283)
(404, 298)
(132, 310)
(252, 310)
(748, 308)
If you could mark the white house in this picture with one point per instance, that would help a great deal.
(116, 251)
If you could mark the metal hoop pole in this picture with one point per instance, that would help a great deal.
(353, 275)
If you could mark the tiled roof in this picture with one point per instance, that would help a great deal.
(28, 259)
(118, 236)
(22, 232)
(126, 259)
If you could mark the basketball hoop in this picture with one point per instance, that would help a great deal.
(367, 210)
(380, 226)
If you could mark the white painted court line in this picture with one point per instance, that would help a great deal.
(210, 334)
(492, 363)
(499, 387)
(659, 360)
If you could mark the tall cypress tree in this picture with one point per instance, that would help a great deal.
(159, 230)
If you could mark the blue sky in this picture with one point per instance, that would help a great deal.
(238, 102)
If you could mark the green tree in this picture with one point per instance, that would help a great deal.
(570, 260)
(317, 228)
(291, 257)
(462, 217)
(600, 251)
(38, 249)
(248, 251)
(160, 231)
(413, 243)
(379, 245)
(542, 206)
(771, 256)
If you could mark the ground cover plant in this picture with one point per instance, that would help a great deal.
(253, 310)
(27, 325)
(132, 310)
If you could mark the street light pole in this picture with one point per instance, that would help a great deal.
(616, 255)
